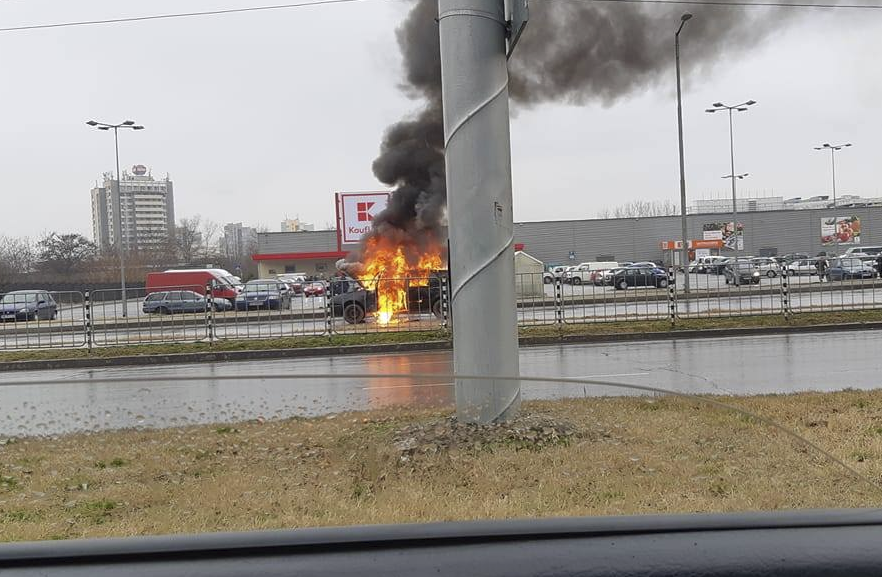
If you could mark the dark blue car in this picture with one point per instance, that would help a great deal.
(264, 294)
(28, 305)
(174, 302)
(850, 268)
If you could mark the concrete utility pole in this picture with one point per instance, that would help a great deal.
(479, 206)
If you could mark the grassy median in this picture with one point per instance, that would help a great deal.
(602, 456)
(394, 337)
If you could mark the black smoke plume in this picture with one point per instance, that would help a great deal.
(572, 51)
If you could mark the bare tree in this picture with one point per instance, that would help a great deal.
(189, 238)
(65, 253)
(641, 208)
(17, 256)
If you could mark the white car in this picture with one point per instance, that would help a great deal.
(766, 266)
(703, 263)
(553, 273)
(802, 266)
(587, 271)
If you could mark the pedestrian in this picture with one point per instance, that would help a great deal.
(879, 264)
(821, 265)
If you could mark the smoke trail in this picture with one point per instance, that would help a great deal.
(571, 51)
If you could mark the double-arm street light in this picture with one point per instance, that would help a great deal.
(718, 107)
(117, 213)
(684, 251)
(833, 148)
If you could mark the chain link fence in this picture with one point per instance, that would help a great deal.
(99, 318)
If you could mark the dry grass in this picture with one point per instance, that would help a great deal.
(629, 455)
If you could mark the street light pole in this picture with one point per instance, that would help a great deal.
(119, 230)
(833, 148)
(684, 250)
(718, 106)
(120, 248)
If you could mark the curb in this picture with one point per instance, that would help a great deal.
(246, 355)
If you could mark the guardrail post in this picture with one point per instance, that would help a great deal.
(209, 313)
(87, 317)
(672, 297)
(785, 294)
(558, 301)
(329, 321)
(445, 303)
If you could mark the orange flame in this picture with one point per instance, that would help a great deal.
(388, 271)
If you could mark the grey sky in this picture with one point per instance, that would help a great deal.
(261, 115)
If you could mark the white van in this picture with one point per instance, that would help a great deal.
(587, 271)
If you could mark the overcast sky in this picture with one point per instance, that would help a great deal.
(262, 115)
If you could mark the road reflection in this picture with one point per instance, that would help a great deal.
(422, 392)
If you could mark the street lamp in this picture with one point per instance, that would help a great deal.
(118, 222)
(717, 107)
(684, 250)
(833, 148)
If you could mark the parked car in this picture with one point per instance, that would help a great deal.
(639, 276)
(794, 256)
(863, 250)
(850, 268)
(717, 266)
(175, 302)
(352, 301)
(295, 281)
(767, 266)
(264, 294)
(28, 305)
(641, 264)
(587, 271)
(804, 266)
(700, 265)
(741, 272)
(553, 273)
(314, 289)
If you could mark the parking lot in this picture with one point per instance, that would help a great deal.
(101, 323)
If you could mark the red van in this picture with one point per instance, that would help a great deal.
(195, 279)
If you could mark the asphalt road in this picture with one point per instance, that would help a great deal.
(743, 365)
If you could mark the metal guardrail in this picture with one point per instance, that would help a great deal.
(99, 318)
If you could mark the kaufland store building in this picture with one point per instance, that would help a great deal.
(766, 233)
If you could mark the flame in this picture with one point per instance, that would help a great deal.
(388, 271)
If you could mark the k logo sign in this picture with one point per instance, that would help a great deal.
(364, 212)
(356, 212)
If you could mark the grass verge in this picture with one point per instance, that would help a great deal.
(563, 330)
(621, 456)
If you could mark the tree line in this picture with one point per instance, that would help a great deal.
(62, 256)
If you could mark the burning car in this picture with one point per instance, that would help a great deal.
(352, 300)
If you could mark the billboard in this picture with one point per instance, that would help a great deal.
(356, 212)
(725, 231)
(840, 230)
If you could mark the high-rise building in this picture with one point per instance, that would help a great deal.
(295, 225)
(238, 240)
(147, 216)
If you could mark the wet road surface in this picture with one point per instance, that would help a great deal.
(742, 365)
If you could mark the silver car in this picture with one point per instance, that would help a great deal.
(766, 266)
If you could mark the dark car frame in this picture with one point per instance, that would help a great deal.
(850, 269)
(180, 301)
(351, 301)
(741, 272)
(639, 276)
(28, 305)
